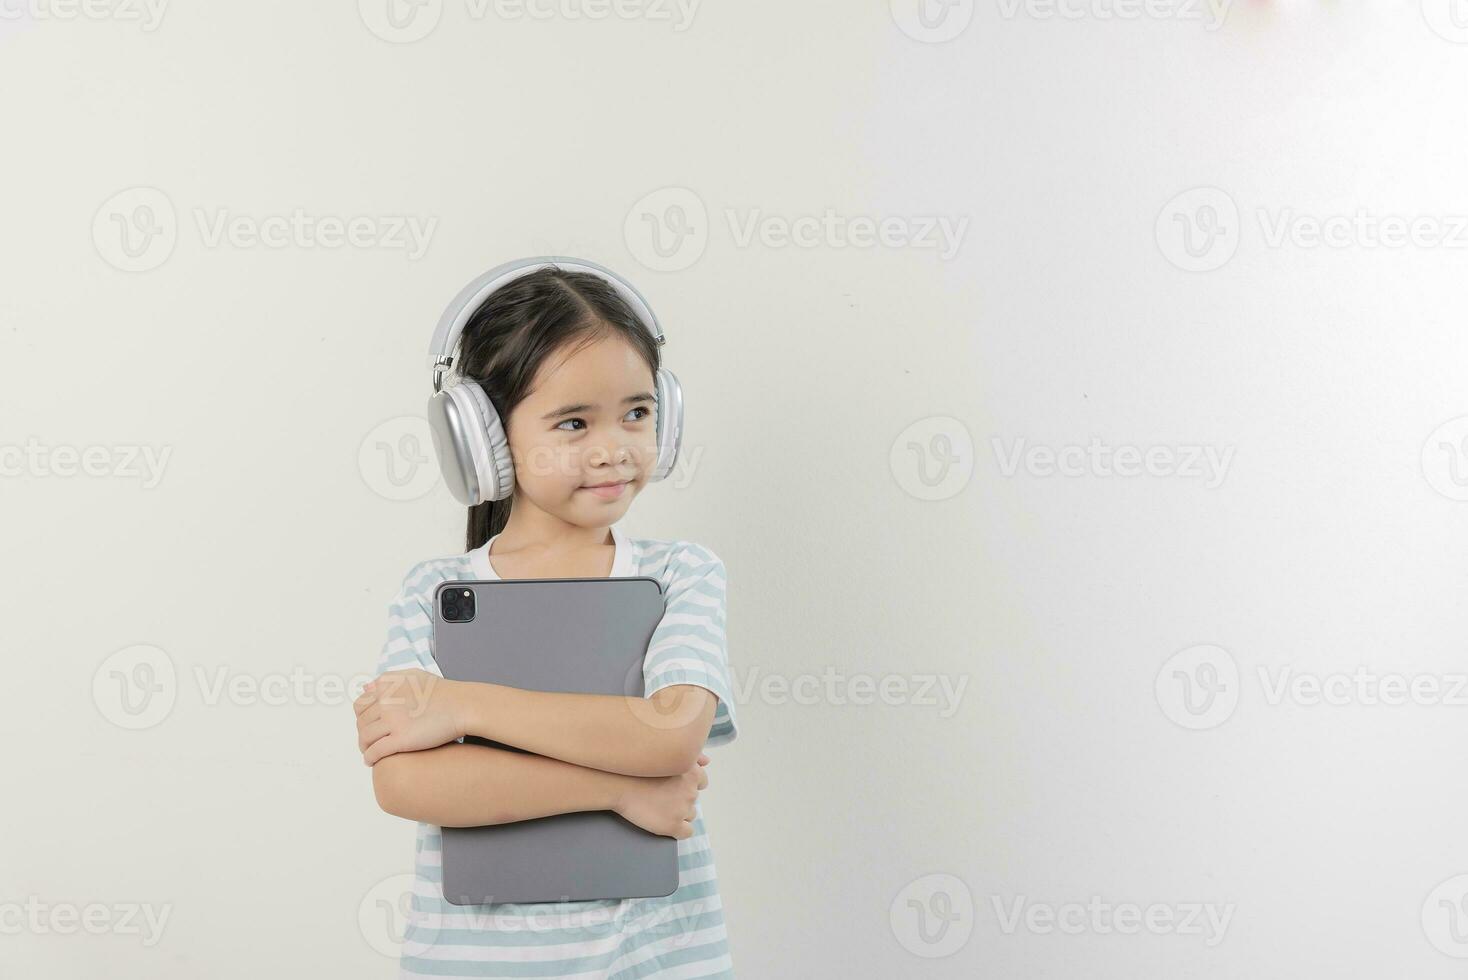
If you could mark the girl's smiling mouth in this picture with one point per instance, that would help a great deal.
(608, 491)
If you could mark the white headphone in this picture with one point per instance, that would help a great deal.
(468, 436)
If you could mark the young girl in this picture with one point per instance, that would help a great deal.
(571, 370)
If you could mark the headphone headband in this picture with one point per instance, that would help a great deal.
(462, 306)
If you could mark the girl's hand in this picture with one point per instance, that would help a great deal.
(405, 711)
(664, 804)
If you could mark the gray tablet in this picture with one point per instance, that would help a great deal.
(570, 635)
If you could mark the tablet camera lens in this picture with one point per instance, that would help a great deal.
(458, 607)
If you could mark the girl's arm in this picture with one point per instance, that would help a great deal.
(458, 785)
(413, 710)
(493, 786)
(656, 736)
(686, 668)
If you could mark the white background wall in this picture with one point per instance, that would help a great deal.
(1077, 766)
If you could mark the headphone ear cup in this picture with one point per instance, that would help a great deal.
(473, 453)
(669, 423)
(496, 467)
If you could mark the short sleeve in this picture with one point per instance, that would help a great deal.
(409, 640)
(689, 646)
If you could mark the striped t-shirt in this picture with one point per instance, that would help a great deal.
(679, 935)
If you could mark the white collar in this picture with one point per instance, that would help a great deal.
(621, 561)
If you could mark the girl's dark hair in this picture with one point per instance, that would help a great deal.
(517, 328)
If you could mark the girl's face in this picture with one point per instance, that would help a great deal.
(589, 419)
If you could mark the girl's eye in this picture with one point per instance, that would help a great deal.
(634, 417)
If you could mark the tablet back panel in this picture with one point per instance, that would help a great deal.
(584, 636)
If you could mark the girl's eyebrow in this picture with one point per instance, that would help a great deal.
(642, 396)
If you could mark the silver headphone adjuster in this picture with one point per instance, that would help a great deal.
(441, 363)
